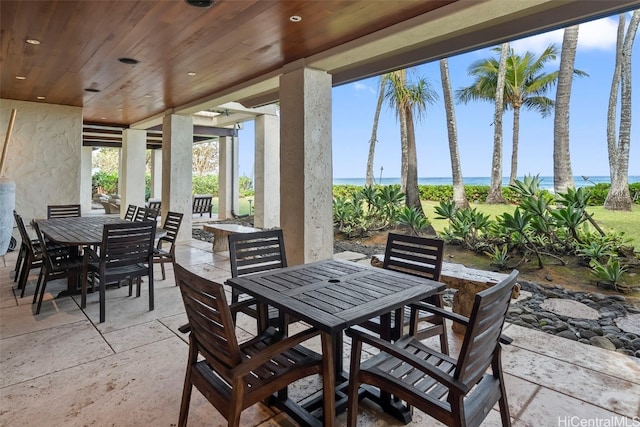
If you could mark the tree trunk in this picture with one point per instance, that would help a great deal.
(495, 190)
(412, 194)
(516, 141)
(459, 197)
(562, 173)
(374, 134)
(619, 197)
(613, 99)
(402, 115)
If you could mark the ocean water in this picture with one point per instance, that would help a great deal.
(547, 181)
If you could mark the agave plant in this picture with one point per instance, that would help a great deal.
(411, 217)
(610, 273)
(499, 255)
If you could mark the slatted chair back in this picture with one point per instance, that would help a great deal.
(146, 214)
(63, 211)
(419, 256)
(155, 204)
(212, 326)
(24, 235)
(485, 326)
(163, 255)
(130, 214)
(127, 243)
(32, 254)
(255, 252)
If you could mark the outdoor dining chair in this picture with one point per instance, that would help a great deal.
(230, 375)
(162, 255)
(56, 264)
(252, 253)
(456, 392)
(146, 214)
(63, 211)
(31, 254)
(418, 256)
(130, 214)
(126, 253)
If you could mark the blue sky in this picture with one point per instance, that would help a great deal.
(354, 107)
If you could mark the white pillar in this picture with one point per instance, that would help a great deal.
(177, 154)
(156, 174)
(306, 164)
(133, 164)
(228, 168)
(86, 192)
(267, 172)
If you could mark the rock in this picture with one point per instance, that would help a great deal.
(570, 308)
(597, 296)
(602, 342)
(636, 344)
(568, 335)
(610, 330)
(625, 351)
(529, 318)
(618, 298)
(515, 310)
(629, 323)
(615, 341)
(587, 333)
(561, 326)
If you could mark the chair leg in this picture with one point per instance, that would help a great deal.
(44, 285)
(38, 284)
(444, 338)
(103, 296)
(138, 286)
(354, 384)
(19, 262)
(162, 270)
(22, 284)
(151, 293)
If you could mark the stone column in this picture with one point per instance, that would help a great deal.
(306, 164)
(86, 192)
(267, 172)
(228, 168)
(177, 154)
(156, 174)
(134, 146)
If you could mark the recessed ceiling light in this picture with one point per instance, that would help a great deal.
(295, 18)
(200, 3)
(103, 118)
(90, 89)
(146, 95)
(33, 41)
(191, 73)
(128, 61)
(120, 109)
(21, 78)
(41, 98)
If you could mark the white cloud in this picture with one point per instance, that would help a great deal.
(599, 34)
(358, 86)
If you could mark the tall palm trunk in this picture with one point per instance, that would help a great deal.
(619, 197)
(612, 147)
(515, 144)
(459, 197)
(495, 190)
(374, 133)
(412, 193)
(404, 145)
(562, 173)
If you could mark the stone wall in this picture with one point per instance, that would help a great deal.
(44, 155)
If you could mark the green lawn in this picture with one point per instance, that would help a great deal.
(627, 222)
(243, 205)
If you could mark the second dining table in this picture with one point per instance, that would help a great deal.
(333, 295)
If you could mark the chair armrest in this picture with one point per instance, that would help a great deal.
(160, 240)
(90, 255)
(185, 328)
(272, 350)
(451, 316)
(412, 360)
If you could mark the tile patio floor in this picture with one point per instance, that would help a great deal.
(63, 368)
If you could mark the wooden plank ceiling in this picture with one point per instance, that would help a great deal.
(77, 60)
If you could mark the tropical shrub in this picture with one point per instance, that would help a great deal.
(105, 182)
(205, 184)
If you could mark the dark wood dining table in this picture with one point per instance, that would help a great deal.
(333, 295)
(77, 232)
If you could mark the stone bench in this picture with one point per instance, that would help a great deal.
(467, 281)
(221, 231)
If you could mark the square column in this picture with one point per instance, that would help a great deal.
(177, 170)
(267, 172)
(306, 165)
(228, 182)
(133, 165)
(156, 174)
(86, 191)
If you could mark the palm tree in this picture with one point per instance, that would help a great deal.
(406, 99)
(619, 197)
(459, 197)
(374, 132)
(562, 174)
(495, 190)
(526, 85)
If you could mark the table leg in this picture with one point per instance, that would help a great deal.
(73, 282)
(329, 365)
